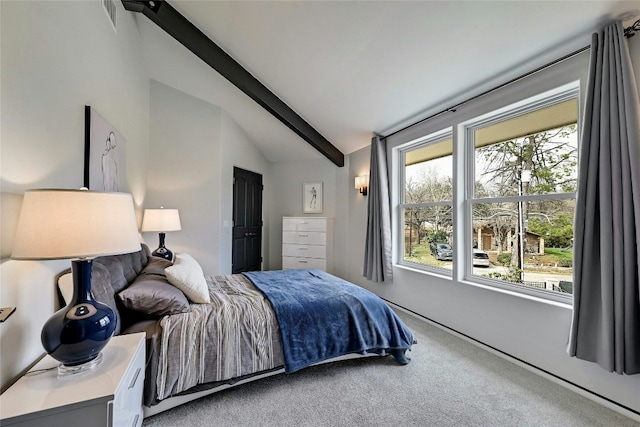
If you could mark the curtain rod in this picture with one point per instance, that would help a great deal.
(628, 32)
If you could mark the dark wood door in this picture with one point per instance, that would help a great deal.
(247, 221)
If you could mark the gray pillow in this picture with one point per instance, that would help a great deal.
(153, 295)
(156, 266)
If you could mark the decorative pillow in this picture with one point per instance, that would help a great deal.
(153, 295)
(186, 275)
(156, 266)
(65, 286)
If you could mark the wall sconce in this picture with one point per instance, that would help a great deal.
(362, 184)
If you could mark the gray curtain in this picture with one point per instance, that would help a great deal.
(377, 250)
(606, 297)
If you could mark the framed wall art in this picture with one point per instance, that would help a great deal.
(312, 197)
(104, 154)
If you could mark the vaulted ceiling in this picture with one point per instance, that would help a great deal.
(354, 68)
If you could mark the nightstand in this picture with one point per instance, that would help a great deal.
(110, 395)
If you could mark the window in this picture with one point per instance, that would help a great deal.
(490, 198)
(427, 199)
(522, 200)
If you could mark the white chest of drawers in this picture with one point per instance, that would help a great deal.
(307, 242)
(110, 395)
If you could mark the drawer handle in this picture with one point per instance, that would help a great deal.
(303, 249)
(135, 421)
(303, 235)
(135, 378)
(303, 262)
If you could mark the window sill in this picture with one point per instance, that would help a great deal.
(554, 300)
(441, 275)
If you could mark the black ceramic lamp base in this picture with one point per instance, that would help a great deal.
(162, 251)
(76, 334)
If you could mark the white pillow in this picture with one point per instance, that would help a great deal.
(186, 275)
(65, 284)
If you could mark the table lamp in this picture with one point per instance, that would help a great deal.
(161, 220)
(77, 224)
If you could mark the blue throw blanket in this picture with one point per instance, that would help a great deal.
(322, 316)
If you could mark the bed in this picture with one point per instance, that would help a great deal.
(205, 334)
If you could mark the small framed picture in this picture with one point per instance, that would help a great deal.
(105, 163)
(312, 197)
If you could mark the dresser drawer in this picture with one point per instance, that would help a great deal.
(127, 404)
(307, 242)
(304, 224)
(293, 263)
(304, 251)
(304, 237)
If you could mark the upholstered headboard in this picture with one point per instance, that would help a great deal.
(134, 285)
(110, 275)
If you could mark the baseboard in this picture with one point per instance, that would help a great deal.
(601, 400)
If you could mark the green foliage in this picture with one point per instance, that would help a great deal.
(551, 161)
(557, 232)
(437, 236)
(563, 257)
(504, 258)
(428, 186)
(421, 254)
(514, 275)
(565, 263)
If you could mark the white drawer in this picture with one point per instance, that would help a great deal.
(304, 237)
(127, 405)
(292, 263)
(304, 251)
(304, 224)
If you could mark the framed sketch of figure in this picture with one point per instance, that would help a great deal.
(104, 156)
(312, 197)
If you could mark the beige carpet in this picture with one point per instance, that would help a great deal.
(449, 382)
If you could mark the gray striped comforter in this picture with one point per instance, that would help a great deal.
(237, 334)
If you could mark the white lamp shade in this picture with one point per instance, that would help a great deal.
(59, 224)
(161, 220)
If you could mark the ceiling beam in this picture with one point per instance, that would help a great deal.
(176, 25)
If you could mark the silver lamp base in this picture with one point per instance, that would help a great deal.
(67, 371)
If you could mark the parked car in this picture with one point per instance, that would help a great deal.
(442, 251)
(480, 258)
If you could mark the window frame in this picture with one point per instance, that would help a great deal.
(468, 128)
(430, 139)
(553, 90)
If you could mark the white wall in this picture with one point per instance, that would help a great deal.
(199, 87)
(184, 171)
(194, 147)
(239, 151)
(286, 181)
(56, 58)
(533, 331)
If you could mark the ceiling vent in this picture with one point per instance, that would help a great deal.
(109, 7)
